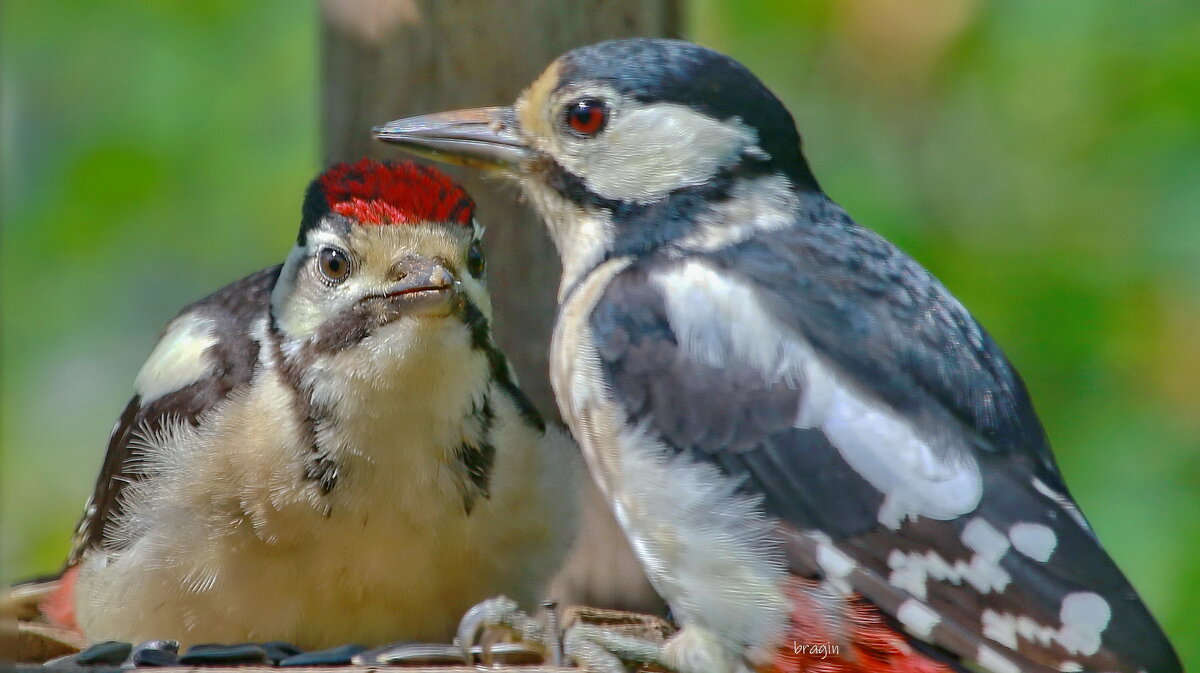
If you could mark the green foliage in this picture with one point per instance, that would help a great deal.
(1042, 158)
(152, 152)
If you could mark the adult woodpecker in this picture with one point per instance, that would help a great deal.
(328, 451)
(822, 461)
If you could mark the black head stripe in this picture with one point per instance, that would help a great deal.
(315, 207)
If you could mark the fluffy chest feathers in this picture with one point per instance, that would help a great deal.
(344, 515)
(392, 417)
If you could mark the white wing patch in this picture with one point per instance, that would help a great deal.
(1062, 501)
(1035, 540)
(721, 323)
(917, 617)
(1084, 615)
(912, 571)
(982, 538)
(179, 359)
(994, 661)
(834, 562)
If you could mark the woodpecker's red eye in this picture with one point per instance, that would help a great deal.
(334, 264)
(587, 117)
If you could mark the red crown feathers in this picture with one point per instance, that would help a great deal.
(373, 192)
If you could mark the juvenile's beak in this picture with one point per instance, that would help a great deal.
(484, 137)
(415, 274)
(417, 286)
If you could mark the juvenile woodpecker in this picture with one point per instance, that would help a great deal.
(822, 461)
(329, 451)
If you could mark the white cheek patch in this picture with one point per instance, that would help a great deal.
(294, 304)
(178, 360)
(651, 150)
(721, 322)
(287, 280)
(298, 306)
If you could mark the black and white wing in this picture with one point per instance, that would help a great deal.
(204, 353)
(887, 434)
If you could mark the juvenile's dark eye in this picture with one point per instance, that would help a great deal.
(587, 117)
(334, 264)
(475, 262)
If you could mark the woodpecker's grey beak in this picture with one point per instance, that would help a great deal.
(419, 284)
(485, 137)
(419, 274)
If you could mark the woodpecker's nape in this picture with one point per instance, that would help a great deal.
(328, 451)
(822, 460)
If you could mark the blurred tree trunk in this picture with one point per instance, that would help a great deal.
(384, 59)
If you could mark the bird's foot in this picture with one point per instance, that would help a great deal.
(597, 649)
(598, 641)
(496, 618)
(611, 648)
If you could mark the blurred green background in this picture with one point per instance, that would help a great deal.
(1042, 158)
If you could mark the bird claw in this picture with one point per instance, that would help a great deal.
(477, 620)
(490, 620)
(597, 649)
(598, 641)
(609, 641)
